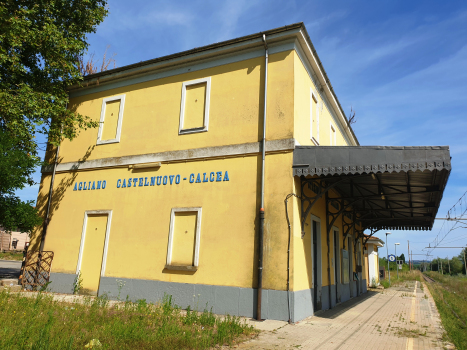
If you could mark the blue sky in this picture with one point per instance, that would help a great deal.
(401, 65)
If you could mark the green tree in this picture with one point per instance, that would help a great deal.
(462, 256)
(16, 167)
(402, 257)
(456, 266)
(40, 43)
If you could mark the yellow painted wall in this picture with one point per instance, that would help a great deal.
(141, 220)
(302, 96)
(152, 110)
(301, 248)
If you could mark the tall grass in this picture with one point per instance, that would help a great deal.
(450, 296)
(41, 323)
(404, 276)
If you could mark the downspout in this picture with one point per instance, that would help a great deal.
(46, 221)
(328, 229)
(261, 210)
(288, 253)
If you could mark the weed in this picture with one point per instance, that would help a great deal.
(78, 283)
(450, 295)
(47, 324)
(120, 285)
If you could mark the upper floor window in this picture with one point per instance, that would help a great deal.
(110, 124)
(314, 118)
(194, 109)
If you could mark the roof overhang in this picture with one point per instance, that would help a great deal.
(398, 188)
(376, 241)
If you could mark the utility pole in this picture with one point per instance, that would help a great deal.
(465, 266)
(442, 267)
(408, 253)
(449, 266)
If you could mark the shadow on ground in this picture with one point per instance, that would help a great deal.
(343, 307)
(10, 269)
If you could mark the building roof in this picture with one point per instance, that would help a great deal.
(397, 188)
(374, 240)
(232, 46)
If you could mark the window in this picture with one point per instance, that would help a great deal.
(194, 109)
(332, 136)
(184, 239)
(314, 118)
(110, 124)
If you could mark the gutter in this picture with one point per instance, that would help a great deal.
(261, 210)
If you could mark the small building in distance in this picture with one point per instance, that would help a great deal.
(372, 260)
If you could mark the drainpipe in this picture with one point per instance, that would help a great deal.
(261, 211)
(46, 221)
(288, 253)
(329, 251)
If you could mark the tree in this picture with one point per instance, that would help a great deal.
(456, 266)
(16, 168)
(402, 257)
(463, 256)
(40, 41)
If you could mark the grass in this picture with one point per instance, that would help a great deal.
(41, 323)
(404, 276)
(450, 296)
(11, 255)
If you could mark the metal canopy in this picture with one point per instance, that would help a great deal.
(377, 187)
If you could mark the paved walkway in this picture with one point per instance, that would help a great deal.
(10, 268)
(396, 318)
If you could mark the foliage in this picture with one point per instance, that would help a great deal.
(78, 283)
(16, 167)
(40, 41)
(450, 295)
(24, 322)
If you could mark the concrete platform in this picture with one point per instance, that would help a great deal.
(396, 318)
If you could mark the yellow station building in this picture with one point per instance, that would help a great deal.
(166, 196)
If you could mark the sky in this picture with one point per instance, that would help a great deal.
(401, 65)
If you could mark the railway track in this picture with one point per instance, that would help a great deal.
(429, 279)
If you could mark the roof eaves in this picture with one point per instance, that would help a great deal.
(196, 50)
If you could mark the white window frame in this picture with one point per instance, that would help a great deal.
(198, 210)
(332, 134)
(204, 128)
(106, 241)
(313, 97)
(119, 121)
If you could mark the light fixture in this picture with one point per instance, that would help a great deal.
(145, 165)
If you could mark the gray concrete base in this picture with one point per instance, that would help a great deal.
(221, 299)
(345, 292)
(61, 282)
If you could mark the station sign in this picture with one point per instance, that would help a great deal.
(193, 178)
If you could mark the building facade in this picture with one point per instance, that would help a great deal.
(372, 260)
(165, 197)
